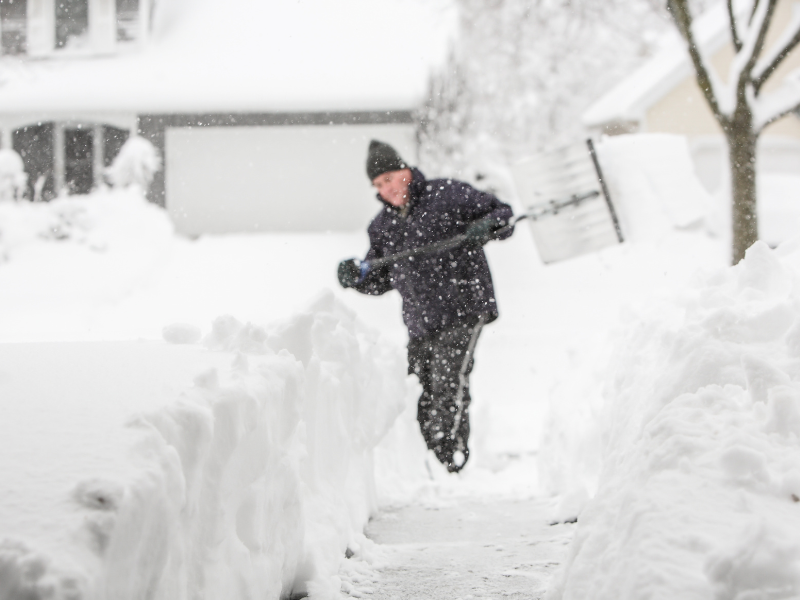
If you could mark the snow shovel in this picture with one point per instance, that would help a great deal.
(558, 173)
(550, 208)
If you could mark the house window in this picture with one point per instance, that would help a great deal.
(72, 23)
(79, 160)
(66, 157)
(113, 140)
(127, 20)
(13, 26)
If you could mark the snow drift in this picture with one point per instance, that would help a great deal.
(252, 481)
(652, 182)
(115, 237)
(698, 495)
(76, 254)
(663, 210)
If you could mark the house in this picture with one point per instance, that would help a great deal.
(262, 110)
(663, 97)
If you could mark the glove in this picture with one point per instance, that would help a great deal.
(481, 231)
(351, 272)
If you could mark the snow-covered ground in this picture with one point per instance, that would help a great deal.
(237, 467)
(682, 394)
(469, 548)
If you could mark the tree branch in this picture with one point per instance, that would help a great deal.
(737, 43)
(745, 60)
(762, 34)
(778, 116)
(679, 9)
(765, 74)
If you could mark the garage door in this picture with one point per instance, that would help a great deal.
(282, 178)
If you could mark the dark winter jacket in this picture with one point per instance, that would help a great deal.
(445, 288)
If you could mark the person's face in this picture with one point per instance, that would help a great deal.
(393, 186)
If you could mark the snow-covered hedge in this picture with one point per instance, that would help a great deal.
(251, 483)
(699, 495)
(136, 164)
(82, 251)
(102, 221)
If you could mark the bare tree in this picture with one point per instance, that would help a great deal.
(523, 72)
(739, 106)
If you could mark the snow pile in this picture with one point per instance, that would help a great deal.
(699, 492)
(652, 183)
(662, 208)
(253, 482)
(12, 175)
(102, 222)
(136, 164)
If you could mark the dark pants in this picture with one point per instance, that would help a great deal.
(443, 362)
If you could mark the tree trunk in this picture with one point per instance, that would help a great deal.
(742, 154)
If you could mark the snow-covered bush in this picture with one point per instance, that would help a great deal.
(95, 220)
(12, 175)
(699, 490)
(55, 247)
(136, 164)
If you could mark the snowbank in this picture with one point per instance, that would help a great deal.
(652, 183)
(118, 222)
(78, 253)
(251, 482)
(698, 496)
(663, 209)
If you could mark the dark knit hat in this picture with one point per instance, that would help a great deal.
(382, 158)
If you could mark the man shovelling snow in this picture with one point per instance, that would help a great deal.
(447, 293)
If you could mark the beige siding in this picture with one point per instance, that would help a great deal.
(684, 109)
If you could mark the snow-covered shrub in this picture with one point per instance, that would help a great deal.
(136, 164)
(12, 175)
(699, 490)
(95, 220)
(56, 247)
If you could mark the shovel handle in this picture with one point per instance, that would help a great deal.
(551, 208)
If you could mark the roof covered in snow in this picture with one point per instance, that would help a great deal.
(241, 55)
(630, 98)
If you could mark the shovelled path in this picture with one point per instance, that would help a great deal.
(469, 549)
